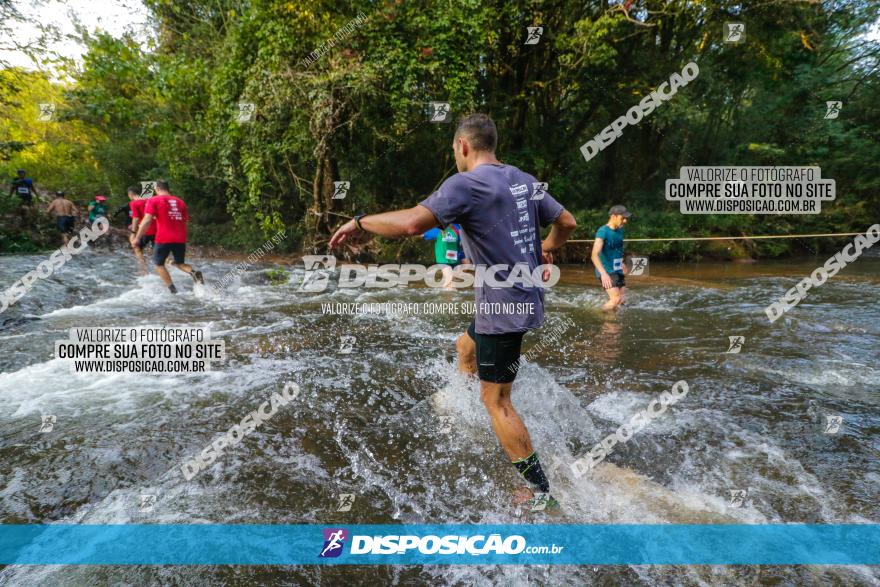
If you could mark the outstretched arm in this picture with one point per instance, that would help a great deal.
(408, 222)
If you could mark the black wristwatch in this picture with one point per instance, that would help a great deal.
(357, 221)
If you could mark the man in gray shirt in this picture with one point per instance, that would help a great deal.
(500, 210)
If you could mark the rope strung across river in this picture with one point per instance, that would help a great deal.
(722, 238)
(674, 238)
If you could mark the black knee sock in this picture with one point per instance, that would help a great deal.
(530, 469)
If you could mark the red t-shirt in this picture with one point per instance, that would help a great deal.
(171, 215)
(138, 210)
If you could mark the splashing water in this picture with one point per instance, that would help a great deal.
(389, 419)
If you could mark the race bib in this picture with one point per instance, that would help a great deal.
(618, 264)
(451, 255)
(24, 190)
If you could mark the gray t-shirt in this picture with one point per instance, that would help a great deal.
(499, 209)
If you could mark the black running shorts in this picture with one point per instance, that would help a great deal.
(617, 279)
(162, 250)
(497, 355)
(147, 239)
(65, 223)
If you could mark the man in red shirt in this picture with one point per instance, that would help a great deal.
(171, 217)
(138, 206)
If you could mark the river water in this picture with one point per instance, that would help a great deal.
(383, 415)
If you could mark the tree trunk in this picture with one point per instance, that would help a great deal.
(320, 222)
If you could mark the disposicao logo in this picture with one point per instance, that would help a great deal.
(334, 539)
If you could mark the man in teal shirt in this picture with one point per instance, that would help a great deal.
(608, 256)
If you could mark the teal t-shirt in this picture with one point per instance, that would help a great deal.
(611, 254)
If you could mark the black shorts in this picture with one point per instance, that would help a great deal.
(147, 239)
(497, 355)
(162, 250)
(617, 279)
(65, 223)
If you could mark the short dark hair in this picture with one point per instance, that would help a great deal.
(134, 189)
(162, 184)
(480, 131)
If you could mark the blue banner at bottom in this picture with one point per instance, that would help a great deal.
(209, 544)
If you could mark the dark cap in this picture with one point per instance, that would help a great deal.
(59, 194)
(619, 209)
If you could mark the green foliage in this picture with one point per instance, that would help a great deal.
(358, 111)
(277, 276)
(55, 153)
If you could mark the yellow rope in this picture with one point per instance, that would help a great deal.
(723, 238)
